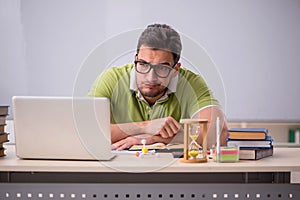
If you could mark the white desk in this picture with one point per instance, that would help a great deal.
(283, 160)
(151, 174)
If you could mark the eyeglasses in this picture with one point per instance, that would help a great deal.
(160, 70)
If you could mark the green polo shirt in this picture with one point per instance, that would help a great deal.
(187, 94)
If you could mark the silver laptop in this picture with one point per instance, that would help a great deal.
(73, 128)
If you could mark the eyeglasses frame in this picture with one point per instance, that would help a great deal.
(153, 67)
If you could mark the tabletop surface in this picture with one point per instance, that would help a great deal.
(283, 160)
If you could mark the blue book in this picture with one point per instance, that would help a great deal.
(248, 133)
(267, 143)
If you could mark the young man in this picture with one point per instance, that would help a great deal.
(148, 98)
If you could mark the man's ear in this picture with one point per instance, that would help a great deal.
(178, 65)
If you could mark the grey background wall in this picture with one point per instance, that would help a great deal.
(255, 46)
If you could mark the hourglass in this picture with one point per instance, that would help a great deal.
(194, 152)
(194, 149)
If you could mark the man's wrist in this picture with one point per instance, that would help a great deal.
(142, 127)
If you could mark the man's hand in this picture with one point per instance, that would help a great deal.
(166, 127)
(126, 143)
(136, 140)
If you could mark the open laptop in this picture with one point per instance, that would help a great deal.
(72, 128)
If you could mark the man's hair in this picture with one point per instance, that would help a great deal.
(161, 36)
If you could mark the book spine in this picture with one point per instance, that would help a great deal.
(297, 136)
(264, 153)
(294, 136)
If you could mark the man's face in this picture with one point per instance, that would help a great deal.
(151, 86)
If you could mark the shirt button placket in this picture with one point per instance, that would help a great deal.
(149, 112)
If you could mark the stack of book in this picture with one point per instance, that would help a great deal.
(254, 143)
(3, 134)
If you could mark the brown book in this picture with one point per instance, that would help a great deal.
(2, 153)
(2, 128)
(3, 137)
(3, 110)
(2, 119)
(248, 133)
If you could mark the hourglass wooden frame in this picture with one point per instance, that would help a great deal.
(187, 123)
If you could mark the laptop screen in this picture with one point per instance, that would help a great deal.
(62, 127)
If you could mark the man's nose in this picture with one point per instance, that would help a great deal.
(152, 75)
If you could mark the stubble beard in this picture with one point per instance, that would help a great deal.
(154, 93)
